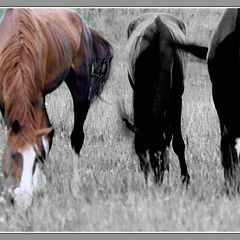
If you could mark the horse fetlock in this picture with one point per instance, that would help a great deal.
(185, 179)
(77, 138)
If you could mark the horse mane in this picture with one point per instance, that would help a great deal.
(20, 72)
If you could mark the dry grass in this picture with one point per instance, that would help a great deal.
(103, 189)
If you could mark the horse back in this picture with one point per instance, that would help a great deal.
(142, 30)
(55, 33)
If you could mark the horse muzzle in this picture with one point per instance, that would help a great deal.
(22, 196)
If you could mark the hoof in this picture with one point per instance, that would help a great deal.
(185, 180)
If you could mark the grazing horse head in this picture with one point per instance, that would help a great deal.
(29, 130)
(39, 49)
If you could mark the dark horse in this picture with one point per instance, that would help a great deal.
(224, 70)
(39, 49)
(223, 59)
(156, 72)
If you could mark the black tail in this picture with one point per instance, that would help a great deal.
(194, 49)
(123, 113)
(129, 125)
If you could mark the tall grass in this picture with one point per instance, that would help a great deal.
(103, 188)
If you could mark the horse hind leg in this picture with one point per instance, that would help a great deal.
(77, 135)
(178, 143)
(179, 148)
(168, 137)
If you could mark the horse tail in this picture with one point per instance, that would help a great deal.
(195, 49)
(19, 68)
(101, 56)
(129, 125)
(126, 118)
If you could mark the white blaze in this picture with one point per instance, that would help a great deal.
(29, 156)
(23, 193)
(237, 146)
(30, 181)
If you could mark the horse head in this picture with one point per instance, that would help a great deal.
(27, 146)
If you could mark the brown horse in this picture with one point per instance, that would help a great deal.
(39, 49)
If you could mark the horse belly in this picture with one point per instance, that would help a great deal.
(56, 82)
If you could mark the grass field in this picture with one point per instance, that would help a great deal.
(103, 188)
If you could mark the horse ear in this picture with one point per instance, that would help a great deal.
(45, 131)
(15, 126)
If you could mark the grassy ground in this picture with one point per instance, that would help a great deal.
(103, 188)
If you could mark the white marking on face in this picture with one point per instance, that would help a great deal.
(30, 181)
(45, 144)
(25, 185)
(237, 146)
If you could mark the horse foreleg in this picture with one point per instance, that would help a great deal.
(78, 85)
(77, 135)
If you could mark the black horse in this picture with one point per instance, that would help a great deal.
(223, 59)
(224, 70)
(156, 70)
